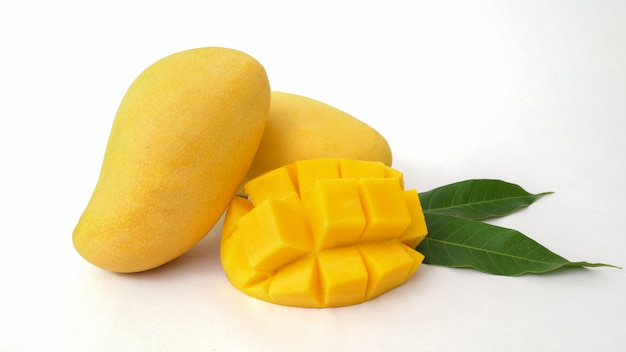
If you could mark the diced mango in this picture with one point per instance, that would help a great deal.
(394, 174)
(297, 284)
(388, 265)
(236, 263)
(361, 168)
(309, 171)
(274, 234)
(258, 290)
(279, 183)
(418, 258)
(343, 276)
(416, 232)
(335, 213)
(237, 208)
(323, 233)
(384, 207)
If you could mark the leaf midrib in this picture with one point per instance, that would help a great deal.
(564, 261)
(465, 205)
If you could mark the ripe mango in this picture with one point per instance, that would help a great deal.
(323, 233)
(175, 157)
(301, 128)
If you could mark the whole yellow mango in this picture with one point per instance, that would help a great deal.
(176, 154)
(301, 128)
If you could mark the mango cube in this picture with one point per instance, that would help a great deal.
(361, 169)
(388, 265)
(237, 208)
(416, 231)
(297, 284)
(274, 234)
(384, 207)
(278, 183)
(343, 276)
(309, 171)
(235, 256)
(335, 213)
(394, 174)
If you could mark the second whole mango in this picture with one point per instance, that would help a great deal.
(302, 128)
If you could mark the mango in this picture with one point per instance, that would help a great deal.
(321, 233)
(182, 141)
(301, 128)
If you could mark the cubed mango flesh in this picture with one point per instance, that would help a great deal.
(323, 233)
(280, 183)
(335, 213)
(274, 234)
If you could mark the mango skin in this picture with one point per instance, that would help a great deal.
(301, 128)
(174, 159)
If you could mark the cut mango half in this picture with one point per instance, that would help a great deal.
(323, 233)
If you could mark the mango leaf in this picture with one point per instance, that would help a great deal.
(457, 242)
(477, 199)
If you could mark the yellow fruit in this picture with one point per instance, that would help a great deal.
(300, 128)
(182, 140)
(323, 233)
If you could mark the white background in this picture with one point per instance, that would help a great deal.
(531, 92)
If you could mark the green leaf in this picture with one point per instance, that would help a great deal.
(457, 242)
(477, 199)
